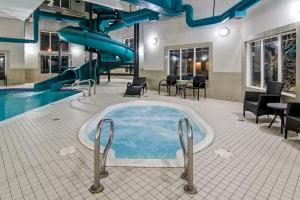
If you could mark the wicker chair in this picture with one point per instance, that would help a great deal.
(256, 102)
(292, 118)
(169, 82)
(197, 84)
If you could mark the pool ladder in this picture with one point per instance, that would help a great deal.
(91, 83)
(187, 154)
(100, 163)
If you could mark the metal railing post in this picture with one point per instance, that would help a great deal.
(99, 164)
(103, 172)
(188, 156)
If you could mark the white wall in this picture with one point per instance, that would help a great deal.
(12, 28)
(273, 14)
(227, 52)
(176, 32)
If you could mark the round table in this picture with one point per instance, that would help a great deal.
(279, 109)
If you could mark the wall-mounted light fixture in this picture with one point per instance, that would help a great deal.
(29, 48)
(154, 41)
(224, 31)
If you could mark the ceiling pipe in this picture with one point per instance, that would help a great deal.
(129, 19)
(237, 11)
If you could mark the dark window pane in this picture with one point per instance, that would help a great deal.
(187, 64)
(202, 61)
(270, 60)
(65, 62)
(56, 3)
(65, 3)
(174, 62)
(54, 42)
(2, 64)
(45, 64)
(255, 63)
(288, 47)
(54, 64)
(129, 42)
(44, 41)
(64, 46)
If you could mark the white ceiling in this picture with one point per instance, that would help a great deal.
(18, 9)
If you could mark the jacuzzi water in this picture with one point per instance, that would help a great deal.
(146, 132)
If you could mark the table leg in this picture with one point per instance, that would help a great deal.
(273, 120)
(282, 121)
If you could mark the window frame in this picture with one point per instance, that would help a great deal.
(279, 62)
(50, 56)
(194, 59)
(64, 7)
(50, 44)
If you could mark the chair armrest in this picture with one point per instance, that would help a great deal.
(264, 99)
(162, 81)
(293, 109)
(252, 96)
(129, 85)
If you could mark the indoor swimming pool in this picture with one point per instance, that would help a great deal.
(14, 102)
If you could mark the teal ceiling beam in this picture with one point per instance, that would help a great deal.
(129, 19)
(165, 7)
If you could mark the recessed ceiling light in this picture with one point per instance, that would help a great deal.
(224, 31)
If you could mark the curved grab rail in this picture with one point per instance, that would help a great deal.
(77, 83)
(187, 155)
(93, 83)
(100, 163)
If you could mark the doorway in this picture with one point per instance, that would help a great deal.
(2, 64)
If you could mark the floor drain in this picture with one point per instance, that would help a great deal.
(66, 150)
(55, 119)
(223, 153)
(241, 120)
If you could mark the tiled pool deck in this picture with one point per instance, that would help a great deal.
(264, 166)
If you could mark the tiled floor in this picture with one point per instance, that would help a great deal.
(264, 166)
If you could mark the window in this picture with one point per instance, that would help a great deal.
(255, 60)
(49, 42)
(189, 62)
(202, 64)
(62, 3)
(129, 42)
(49, 63)
(174, 63)
(273, 59)
(288, 59)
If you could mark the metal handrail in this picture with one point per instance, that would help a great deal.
(99, 164)
(78, 82)
(187, 155)
(93, 83)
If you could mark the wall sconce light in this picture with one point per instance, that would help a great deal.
(30, 48)
(153, 41)
(224, 31)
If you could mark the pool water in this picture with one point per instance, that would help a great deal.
(17, 101)
(146, 132)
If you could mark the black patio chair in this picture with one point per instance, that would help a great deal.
(292, 118)
(169, 82)
(137, 87)
(256, 102)
(197, 84)
(4, 78)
